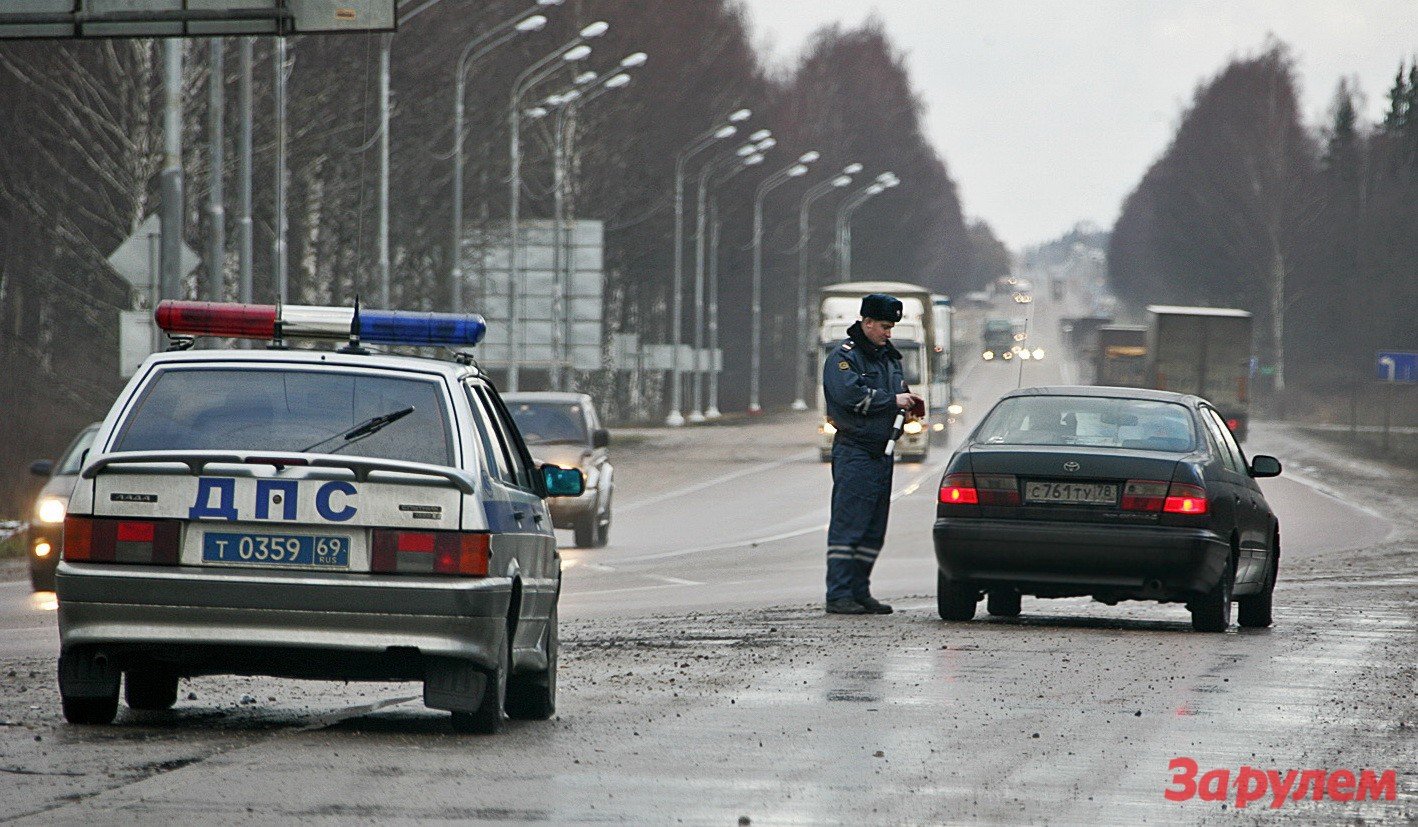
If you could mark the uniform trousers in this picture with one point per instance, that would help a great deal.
(861, 501)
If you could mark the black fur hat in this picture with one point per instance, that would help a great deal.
(882, 307)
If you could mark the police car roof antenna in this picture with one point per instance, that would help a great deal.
(278, 341)
(353, 346)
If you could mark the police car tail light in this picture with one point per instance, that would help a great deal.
(259, 321)
(99, 540)
(1144, 495)
(1185, 499)
(430, 552)
(959, 489)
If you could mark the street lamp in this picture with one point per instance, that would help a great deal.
(739, 158)
(838, 181)
(704, 140)
(528, 21)
(712, 412)
(587, 87)
(796, 169)
(883, 182)
(569, 52)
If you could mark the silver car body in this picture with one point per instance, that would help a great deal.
(594, 462)
(200, 617)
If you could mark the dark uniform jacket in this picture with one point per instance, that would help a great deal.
(860, 382)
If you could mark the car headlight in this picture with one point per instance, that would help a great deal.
(1038, 353)
(42, 549)
(592, 476)
(1024, 354)
(1008, 354)
(955, 409)
(913, 427)
(988, 355)
(51, 510)
(827, 429)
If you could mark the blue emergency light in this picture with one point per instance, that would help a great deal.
(270, 322)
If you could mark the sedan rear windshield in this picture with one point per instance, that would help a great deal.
(1089, 420)
(266, 409)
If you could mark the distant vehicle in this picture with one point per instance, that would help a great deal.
(999, 342)
(1109, 493)
(914, 336)
(1081, 335)
(1122, 356)
(1205, 351)
(564, 430)
(312, 513)
(46, 531)
(943, 370)
(1056, 288)
(1021, 297)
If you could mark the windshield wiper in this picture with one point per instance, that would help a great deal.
(366, 428)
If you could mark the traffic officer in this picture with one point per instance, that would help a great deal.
(864, 389)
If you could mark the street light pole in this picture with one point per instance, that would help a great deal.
(804, 230)
(573, 50)
(796, 169)
(489, 40)
(700, 143)
(883, 182)
(712, 411)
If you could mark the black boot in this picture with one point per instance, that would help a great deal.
(846, 607)
(873, 606)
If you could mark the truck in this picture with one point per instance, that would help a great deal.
(943, 365)
(915, 336)
(1121, 359)
(998, 340)
(1204, 351)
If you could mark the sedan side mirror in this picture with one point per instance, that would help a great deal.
(562, 482)
(1264, 466)
(42, 467)
(600, 438)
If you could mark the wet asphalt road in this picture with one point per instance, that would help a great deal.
(701, 682)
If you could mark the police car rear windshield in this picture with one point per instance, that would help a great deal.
(1089, 420)
(273, 409)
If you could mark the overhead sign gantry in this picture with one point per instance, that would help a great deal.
(85, 19)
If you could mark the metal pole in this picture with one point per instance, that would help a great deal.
(514, 119)
(455, 250)
(755, 335)
(696, 375)
(216, 211)
(245, 236)
(712, 412)
(847, 248)
(280, 242)
(799, 404)
(677, 298)
(170, 261)
(385, 45)
(558, 215)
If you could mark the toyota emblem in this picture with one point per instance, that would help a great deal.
(1070, 466)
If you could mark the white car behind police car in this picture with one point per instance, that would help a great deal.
(315, 514)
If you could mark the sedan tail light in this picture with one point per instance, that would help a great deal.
(431, 552)
(1170, 498)
(980, 489)
(1185, 499)
(100, 540)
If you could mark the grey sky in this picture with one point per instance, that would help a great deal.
(1049, 111)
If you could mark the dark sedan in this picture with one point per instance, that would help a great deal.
(1112, 493)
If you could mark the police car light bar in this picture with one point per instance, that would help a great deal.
(265, 321)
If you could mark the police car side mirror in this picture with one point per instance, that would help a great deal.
(562, 482)
(600, 438)
(42, 467)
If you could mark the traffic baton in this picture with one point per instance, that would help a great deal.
(896, 428)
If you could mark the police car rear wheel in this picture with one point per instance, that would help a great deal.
(149, 690)
(532, 696)
(487, 718)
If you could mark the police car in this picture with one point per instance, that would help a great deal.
(337, 514)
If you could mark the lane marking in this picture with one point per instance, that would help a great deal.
(909, 489)
(710, 483)
(677, 581)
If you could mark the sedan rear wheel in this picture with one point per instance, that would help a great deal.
(532, 696)
(1254, 611)
(954, 601)
(1003, 603)
(1211, 612)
